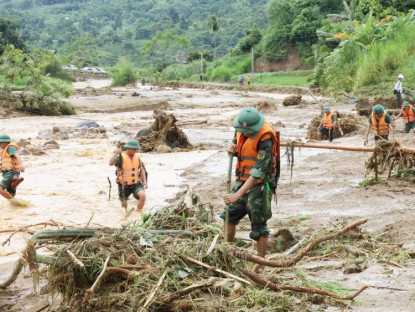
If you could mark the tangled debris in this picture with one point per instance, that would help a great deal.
(292, 100)
(349, 123)
(391, 158)
(266, 107)
(163, 135)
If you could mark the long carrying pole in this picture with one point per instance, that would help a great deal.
(342, 147)
(229, 185)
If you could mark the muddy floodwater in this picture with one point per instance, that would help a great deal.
(70, 184)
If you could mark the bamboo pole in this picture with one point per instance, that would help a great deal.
(342, 147)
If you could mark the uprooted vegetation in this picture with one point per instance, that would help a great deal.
(163, 135)
(391, 159)
(176, 261)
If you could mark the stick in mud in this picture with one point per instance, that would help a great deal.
(109, 190)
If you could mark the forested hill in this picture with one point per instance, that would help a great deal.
(114, 28)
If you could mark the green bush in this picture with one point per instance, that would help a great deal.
(54, 69)
(221, 74)
(123, 73)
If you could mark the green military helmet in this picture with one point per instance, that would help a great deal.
(327, 109)
(132, 144)
(406, 104)
(5, 138)
(249, 121)
(378, 110)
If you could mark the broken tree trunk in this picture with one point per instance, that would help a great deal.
(290, 262)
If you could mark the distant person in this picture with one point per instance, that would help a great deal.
(201, 77)
(241, 80)
(327, 124)
(398, 91)
(143, 82)
(408, 114)
(131, 174)
(379, 122)
(249, 80)
(11, 166)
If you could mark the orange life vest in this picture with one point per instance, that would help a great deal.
(328, 120)
(129, 172)
(9, 163)
(380, 127)
(247, 151)
(408, 116)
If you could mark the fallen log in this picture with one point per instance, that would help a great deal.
(290, 262)
(342, 147)
(311, 290)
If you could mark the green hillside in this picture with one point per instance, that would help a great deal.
(109, 29)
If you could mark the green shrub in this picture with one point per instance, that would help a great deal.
(123, 73)
(221, 74)
(181, 71)
(54, 69)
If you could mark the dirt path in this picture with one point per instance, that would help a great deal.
(70, 184)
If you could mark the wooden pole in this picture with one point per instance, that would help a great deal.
(201, 65)
(329, 146)
(342, 147)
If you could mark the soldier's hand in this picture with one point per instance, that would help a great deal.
(22, 169)
(119, 150)
(232, 149)
(230, 198)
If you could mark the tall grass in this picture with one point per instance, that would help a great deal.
(181, 71)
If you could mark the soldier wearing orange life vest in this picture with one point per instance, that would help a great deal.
(131, 175)
(328, 124)
(11, 166)
(257, 171)
(408, 114)
(379, 123)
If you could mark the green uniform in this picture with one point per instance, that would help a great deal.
(409, 125)
(252, 203)
(128, 189)
(8, 175)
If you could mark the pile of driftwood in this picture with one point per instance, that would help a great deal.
(183, 268)
(163, 135)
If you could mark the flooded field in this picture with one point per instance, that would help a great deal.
(70, 184)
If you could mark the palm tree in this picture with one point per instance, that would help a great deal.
(213, 24)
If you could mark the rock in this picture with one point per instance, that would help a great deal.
(51, 145)
(135, 94)
(143, 132)
(292, 100)
(24, 152)
(35, 151)
(280, 241)
(163, 149)
(56, 130)
(63, 136)
(87, 124)
(23, 143)
(102, 193)
(363, 107)
(301, 126)
(352, 268)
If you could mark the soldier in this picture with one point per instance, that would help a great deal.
(131, 175)
(11, 166)
(379, 122)
(256, 148)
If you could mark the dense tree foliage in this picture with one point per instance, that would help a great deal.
(296, 22)
(10, 34)
(122, 28)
